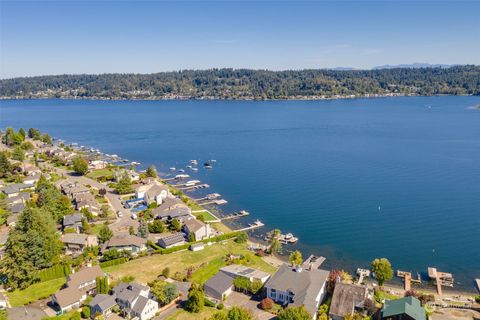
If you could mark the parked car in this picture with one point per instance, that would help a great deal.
(134, 216)
(119, 214)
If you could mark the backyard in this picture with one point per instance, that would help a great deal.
(205, 263)
(35, 292)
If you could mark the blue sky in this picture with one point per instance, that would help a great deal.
(50, 37)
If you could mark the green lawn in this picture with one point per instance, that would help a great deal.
(95, 174)
(207, 216)
(35, 292)
(205, 263)
(95, 228)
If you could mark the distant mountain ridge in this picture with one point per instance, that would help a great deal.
(414, 65)
(247, 84)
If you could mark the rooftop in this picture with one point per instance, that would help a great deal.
(408, 305)
(345, 298)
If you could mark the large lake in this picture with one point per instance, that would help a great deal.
(353, 179)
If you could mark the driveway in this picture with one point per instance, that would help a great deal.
(247, 302)
(26, 313)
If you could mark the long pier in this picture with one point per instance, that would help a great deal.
(210, 196)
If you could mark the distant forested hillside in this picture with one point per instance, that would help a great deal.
(249, 84)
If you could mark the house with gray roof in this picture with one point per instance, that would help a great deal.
(182, 214)
(171, 240)
(73, 221)
(156, 193)
(126, 242)
(102, 304)
(291, 286)
(220, 285)
(346, 299)
(133, 299)
(68, 298)
(14, 189)
(75, 243)
(198, 229)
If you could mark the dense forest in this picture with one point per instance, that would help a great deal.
(249, 84)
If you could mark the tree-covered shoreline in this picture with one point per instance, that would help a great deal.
(245, 84)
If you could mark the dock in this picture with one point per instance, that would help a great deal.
(210, 196)
(195, 187)
(251, 226)
(440, 278)
(187, 184)
(477, 281)
(313, 262)
(407, 279)
(235, 215)
(362, 273)
(177, 177)
(215, 202)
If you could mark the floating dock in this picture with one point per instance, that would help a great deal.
(407, 277)
(177, 177)
(189, 183)
(235, 215)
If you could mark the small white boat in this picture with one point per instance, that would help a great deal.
(189, 167)
(195, 169)
(173, 168)
(181, 170)
(193, 162)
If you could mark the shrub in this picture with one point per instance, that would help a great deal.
(209, 303)
(166, 272)
(86, 312)
(266, 304)
(113, 262)
(75, 316)
(477, 299)
(220, 306)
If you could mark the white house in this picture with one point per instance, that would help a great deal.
(133, 300)
(198, 229)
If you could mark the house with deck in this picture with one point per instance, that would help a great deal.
(198, 229)
(346, 299)
(75, 243)
(133, 300)
(130, 243)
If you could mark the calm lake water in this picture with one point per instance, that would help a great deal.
(318, 169)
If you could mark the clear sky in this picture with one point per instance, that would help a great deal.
(50, 37)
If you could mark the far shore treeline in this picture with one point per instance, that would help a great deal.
(249, 84)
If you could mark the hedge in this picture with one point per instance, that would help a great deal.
(54, 272)
(187, 245)
(113, 262)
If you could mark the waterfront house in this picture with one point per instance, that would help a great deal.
(171, 240)
(181, 214)
(73, 221)
(295, 287)
(346, 299)
(75, 243)
(408, 308)
(133, 299)
(156, 193)
(130, 243)
(102, 304)
(221, 285)
(197, 229)
(97, 164)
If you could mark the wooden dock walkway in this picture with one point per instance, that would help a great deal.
(235, 215)
(195, 187)
(210, 196)
(251, 226)
(215, 202)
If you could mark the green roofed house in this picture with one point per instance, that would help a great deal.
(408, 308)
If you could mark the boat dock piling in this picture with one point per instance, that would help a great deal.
(235, 215)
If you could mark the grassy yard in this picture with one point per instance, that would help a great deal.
(221, 227)
(35, 292)
(205, 263)
(185, 315)
(96, 174)
(95, 228)
(207, 216)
